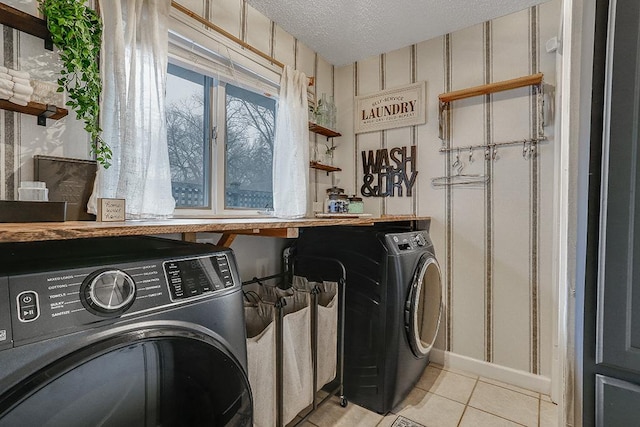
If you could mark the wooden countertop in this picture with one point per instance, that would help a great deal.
(229, 227)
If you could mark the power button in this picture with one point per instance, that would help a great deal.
(28, 309)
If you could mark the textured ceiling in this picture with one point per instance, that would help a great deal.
(345, 31)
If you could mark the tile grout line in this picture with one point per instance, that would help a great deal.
(500, 416)
(515, 391)
(472, 390)
(497, 416)
(468, 400)
(487, 412)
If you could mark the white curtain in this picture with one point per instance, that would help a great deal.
(134, 67)
(291, 147)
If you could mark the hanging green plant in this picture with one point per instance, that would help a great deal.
(77, 32)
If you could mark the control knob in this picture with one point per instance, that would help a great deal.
(108, 292)
(420, 240)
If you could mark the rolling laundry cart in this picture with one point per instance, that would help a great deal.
(303, 300)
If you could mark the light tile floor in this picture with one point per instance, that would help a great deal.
(449, 398)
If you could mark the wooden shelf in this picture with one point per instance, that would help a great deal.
(533, 79)
(326, 168)
(34, 109)
(321, 130)
(37, 27)
(26, 23)
(23, 232)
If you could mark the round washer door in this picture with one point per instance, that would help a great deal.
(148, 377)
(424, 306)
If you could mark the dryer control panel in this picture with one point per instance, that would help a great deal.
(408, 242)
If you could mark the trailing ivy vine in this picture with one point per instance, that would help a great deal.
(77, 32)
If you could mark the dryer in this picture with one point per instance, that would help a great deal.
(394, 303)
(135, 331)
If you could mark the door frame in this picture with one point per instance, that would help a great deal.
(575, 61)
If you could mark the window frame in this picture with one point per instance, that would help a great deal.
(215, 149)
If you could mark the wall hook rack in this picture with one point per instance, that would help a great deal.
(445, 99)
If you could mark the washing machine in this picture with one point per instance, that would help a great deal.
(394, 303)
(123, 331)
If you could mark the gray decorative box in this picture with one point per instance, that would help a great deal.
(68, 180)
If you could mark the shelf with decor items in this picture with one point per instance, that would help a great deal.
(329, 133)
(37, 27)
(321, 130)
(317, 165)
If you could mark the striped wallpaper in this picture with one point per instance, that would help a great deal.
(493, 242)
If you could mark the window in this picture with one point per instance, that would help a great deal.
(227, 148)
(250, 129)
(188, 130)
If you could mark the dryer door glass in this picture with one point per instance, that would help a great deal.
(425, 306)
(158, 380)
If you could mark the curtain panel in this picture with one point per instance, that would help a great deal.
(291, 147)
(134, 67)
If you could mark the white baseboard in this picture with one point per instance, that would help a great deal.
(481, 368)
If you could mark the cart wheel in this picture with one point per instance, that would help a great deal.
(343, 402)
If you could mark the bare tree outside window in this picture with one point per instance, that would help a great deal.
(186, 136)
(247, 144)
(249, 149)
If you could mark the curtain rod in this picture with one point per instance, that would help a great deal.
(230, 36)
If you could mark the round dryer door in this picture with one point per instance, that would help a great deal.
(424, 306)
(146, 377)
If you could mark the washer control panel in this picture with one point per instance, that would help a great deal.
(196, 276)
(55, 303)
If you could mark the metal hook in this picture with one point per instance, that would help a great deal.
(526, 154)
(457, 164)
(470, 154)
(495, 153)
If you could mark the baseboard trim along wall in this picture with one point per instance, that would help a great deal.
(481, 368)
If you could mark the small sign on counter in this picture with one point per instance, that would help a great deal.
(111, 210)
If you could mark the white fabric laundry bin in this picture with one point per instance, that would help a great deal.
(327, 293)
(297, 376)
(261, 361)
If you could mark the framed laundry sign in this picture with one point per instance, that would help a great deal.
(391, 108)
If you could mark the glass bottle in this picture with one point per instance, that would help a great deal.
(323, 111)
(332, 114)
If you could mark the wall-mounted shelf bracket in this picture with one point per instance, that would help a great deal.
(50, 111)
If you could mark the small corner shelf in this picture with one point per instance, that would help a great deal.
(329, 133)
(322, 167)
(321, 130)
(43, 111)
